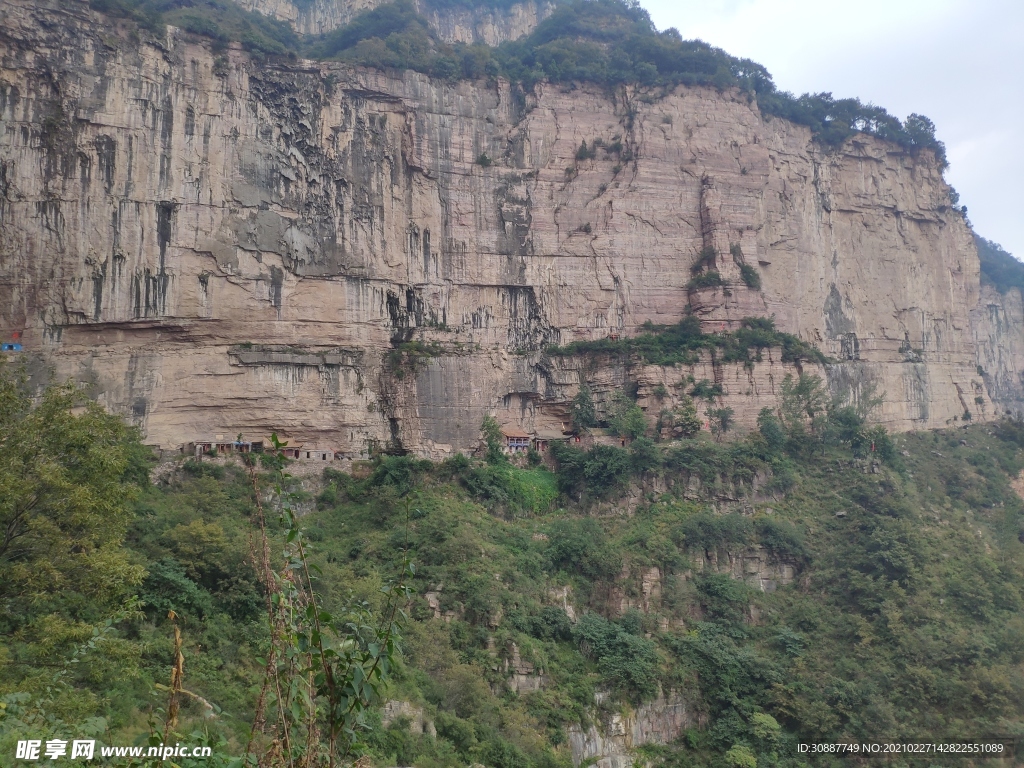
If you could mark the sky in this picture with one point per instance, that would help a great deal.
(960, 62)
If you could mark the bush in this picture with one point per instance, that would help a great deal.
(580, 547)
(167, 588)
(706, 390)
(597, 472)
(456, 464)
(582, 412)
(721, 420)
(998, 267)
(626, 418)
(494, 441)
(644, 455)
(585, 153)
(552, 623)
(504, 485)
(740, 756)
(398, 472)
(503, 754)
(707, 531)
(709, 279)
(781, 539)
(750, 276)
(722, 597)
(628, 662)
(682, 342)
(607, 42)
(771, 430)
(683, 421)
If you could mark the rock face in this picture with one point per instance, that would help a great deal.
(491, 26)
(610, 742)
(753, 565)
(417, 720)
(998, 325)
(355, 258)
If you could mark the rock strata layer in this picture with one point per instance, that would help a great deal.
(356, 258)
(610, 742)
(454, 24)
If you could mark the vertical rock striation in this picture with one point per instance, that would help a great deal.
(454, 24)
(998, 325)
(358, 258)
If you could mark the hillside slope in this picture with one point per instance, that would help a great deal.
(682, 604)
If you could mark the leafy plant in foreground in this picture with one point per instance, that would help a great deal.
(323, 671)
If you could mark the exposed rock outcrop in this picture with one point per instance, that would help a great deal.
(523, 674)
(397, 711)
(454, 24)
(753, 565)
(609, 743)
(635, 589)
(998, 325)
(214, 245)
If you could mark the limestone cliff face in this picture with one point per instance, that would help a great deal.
(998, 325)
(491, 26)
(225, 247)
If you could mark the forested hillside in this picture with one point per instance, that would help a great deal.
(999, 267)
(530, 602)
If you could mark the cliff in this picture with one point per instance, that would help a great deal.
(456, 24)
(997, 322)
(353, 257)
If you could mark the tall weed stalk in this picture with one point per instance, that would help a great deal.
(323, 671)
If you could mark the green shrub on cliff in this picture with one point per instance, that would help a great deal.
(625, 661)
(998, 267)
(625, 418)
(583, 412)
(680, 344)
(750, 276)
(222, 21)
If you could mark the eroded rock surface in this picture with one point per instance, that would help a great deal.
(218, 246)
(454, 24)
(998, 325)
(753, 565)
(610, 742)
(398, 711)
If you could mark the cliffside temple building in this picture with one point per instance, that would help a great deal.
(221, 447)
(518, 440)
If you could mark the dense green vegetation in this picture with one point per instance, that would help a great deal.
(392, 35)
(999, 268)
(681, 344)
(905, 619)
(606, 42)
(222, 21)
